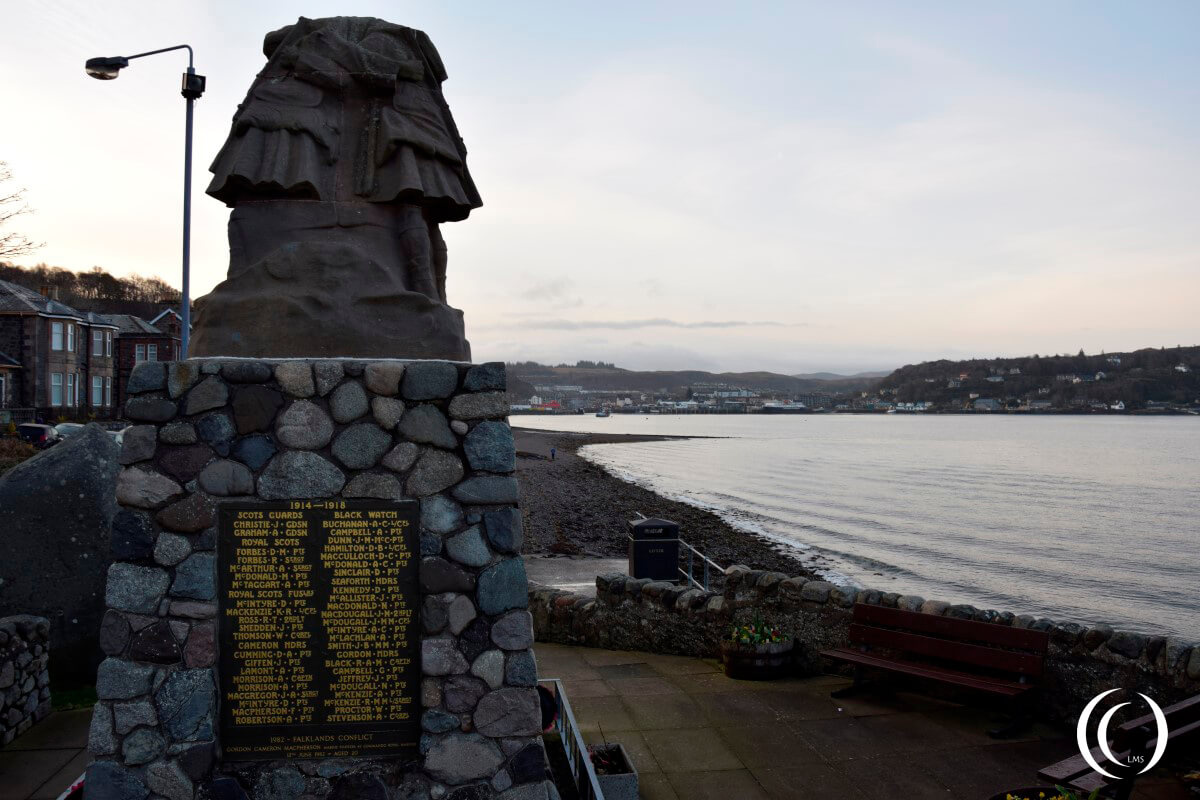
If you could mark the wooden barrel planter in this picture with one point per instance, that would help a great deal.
(757, 662)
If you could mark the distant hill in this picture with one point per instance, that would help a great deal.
(1168, 375)
(834, 376)
(611, 378)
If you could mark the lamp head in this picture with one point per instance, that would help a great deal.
(105, 69)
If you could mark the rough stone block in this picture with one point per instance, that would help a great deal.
(487, 490)
(486, 377)
(485, 405)
(459, 758)
(435, 470)
(429, 380)
(117, 679)
(383, 377)
(147, 376)
(489, 447)
(361, 446)
(299, 474)
(254, 408)
(427, 424)
(143, 488)
(295, 378)
(134, 588)
(503, 586)
(348, 402)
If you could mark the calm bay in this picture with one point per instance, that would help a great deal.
(1077, 518)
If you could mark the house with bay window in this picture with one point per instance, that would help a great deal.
(55, 362)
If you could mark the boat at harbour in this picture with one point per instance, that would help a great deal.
(786, 408)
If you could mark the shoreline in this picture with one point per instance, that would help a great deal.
(575, 508)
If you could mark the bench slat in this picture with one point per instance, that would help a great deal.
(962, 629)
(931, 647)
(1076, 772)
(1183, 711)
(982, 683)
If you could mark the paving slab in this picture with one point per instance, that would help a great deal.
(664, 711)
(57, 783)
(45, 760)
(23, 772)
(788, 740)
(656, 786)
(768, 745)
(60, 730)
(714, 785)
(698, 749)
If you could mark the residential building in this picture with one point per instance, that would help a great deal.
(988, 404)
(56, 362)
(9, 366)
(170, 323)
(138, 341)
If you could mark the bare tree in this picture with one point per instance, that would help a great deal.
(12, 204)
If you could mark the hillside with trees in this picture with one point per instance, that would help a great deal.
(1153, 375)
(95, 290)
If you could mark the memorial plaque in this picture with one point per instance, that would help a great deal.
(319, 651)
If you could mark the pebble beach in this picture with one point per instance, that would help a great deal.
(574, 508)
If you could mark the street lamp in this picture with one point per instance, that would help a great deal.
(106, 69)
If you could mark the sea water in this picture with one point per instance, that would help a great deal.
(1077, 518)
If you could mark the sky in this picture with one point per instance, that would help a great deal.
(786, 186)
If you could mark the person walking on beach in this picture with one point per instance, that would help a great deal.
(553, 453)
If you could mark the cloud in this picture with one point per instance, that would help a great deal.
(638, 324)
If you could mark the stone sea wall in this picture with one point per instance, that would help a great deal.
(24, 674)
(208, 431)
(639, 614)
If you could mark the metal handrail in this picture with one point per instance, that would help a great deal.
(706, 562)
(573, 745)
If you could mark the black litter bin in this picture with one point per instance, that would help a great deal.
(654, 549)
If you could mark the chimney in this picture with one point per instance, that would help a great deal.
(49, 292)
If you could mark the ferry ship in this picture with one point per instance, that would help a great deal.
(786, 408)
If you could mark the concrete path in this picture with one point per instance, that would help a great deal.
(575, 575)
(694, 734)
(42, 762)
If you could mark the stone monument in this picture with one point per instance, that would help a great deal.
(342, 163)
(323, 594)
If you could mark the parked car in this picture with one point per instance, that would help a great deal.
(66, 429)
(40, 436)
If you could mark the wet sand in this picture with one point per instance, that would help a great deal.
(574, 508)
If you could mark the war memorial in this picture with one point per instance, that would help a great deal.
(318, 589)
(300, 575)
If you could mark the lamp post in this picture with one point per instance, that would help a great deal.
(106, 69)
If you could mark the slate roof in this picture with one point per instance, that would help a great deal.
(15, 298)
(97, 319)
(128, 323)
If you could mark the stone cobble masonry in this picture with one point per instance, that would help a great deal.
(24, 674)
(655, 616)
(270, 429)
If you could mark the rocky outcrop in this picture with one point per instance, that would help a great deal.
(56, 517)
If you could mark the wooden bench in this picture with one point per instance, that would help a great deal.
(1133, 744)
(995, 659)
